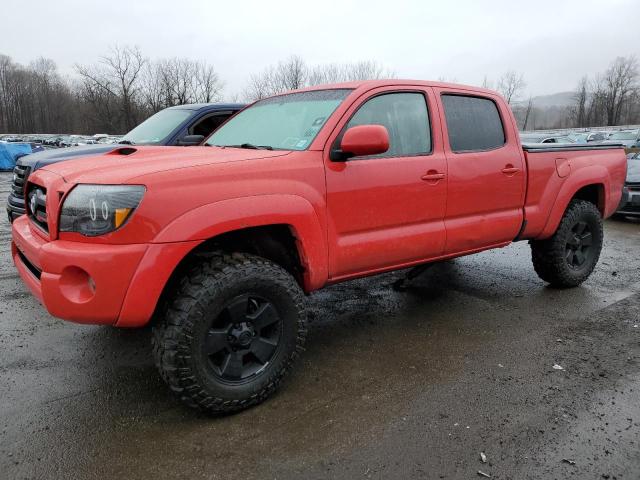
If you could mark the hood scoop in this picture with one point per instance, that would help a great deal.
(123, 151)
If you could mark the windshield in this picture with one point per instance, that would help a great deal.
(157, 127)
(285, 122)
(624, 136)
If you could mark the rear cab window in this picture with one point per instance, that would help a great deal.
(473, 123)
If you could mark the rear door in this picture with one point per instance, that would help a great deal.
(388, 209)
(486, 171)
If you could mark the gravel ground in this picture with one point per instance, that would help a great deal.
(411, 384)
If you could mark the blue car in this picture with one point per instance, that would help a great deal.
(183, 125)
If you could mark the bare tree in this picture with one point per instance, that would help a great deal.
(207, 85)
(347, 72)
(118, 76)
(579, 109)
(294, 73)
(510, 85)
(527, 113)
(620, 81)
(290, 74)
(486, 83)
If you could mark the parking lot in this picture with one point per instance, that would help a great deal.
(412, 384)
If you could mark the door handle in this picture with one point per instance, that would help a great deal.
(433, 176)
(510, 170)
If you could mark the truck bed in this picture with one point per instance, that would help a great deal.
(556, 172)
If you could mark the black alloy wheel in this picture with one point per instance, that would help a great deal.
(243, 339)
(579, 249)
(229, 331)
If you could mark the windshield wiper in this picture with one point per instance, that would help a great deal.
(252, 146)
(126, 142)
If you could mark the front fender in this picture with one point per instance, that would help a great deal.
(585, 176)
(214, 219)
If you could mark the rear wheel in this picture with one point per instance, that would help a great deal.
(568, 257)
(231, 332)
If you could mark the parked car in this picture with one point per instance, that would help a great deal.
(183, 125)
(630, 202)
(298, 191)
(629, 138)
(541, 138)
(587, 137)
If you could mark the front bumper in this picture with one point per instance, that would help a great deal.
(95, 283)
(630, 202)
(81, 282)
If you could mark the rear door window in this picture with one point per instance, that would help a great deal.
(473, 123)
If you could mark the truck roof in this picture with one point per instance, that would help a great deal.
(209, 106)
(370, 84)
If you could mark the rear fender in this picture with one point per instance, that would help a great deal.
(583, 177)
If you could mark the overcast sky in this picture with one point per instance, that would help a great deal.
(553, 43)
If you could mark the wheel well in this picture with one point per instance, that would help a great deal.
(273, 242)
(592, 193)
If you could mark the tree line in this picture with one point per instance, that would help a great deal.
(124, 87)
(607, 98)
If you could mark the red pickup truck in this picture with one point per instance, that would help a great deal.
(216, 245)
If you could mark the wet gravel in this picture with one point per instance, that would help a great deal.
(412, 384)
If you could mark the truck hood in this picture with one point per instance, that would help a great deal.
(55, 155)
(126, 163)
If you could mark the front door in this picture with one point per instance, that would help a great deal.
(387, 210)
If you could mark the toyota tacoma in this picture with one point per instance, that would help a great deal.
(217, 245)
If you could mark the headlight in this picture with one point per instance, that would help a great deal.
(93, 210)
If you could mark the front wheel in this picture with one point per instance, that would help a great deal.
(568, 257)
(230, 333)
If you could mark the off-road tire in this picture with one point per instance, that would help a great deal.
(183, 320)
(550, 256)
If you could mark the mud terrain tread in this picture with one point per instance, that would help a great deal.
(173, 329)
(548, 255)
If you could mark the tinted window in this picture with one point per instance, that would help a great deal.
(473, 123)
(406, 119)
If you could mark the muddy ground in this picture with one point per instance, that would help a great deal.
(411, 384)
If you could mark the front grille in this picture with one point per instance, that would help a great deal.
(635, 186)
(20, 175)
(37, 206)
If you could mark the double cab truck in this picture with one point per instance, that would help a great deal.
(183, 125)
(217, 245)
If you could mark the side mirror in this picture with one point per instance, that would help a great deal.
(360, 141)
(190, 140)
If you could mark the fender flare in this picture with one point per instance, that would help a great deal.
(592, 175)
(187, 231)
(213, 219)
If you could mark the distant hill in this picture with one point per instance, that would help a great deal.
(561, 99)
